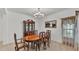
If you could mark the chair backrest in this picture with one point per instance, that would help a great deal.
(15, 39)
(42, 35)
(48, 33)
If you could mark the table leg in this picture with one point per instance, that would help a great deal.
(28, 47)
(44, 46)
(39, 47)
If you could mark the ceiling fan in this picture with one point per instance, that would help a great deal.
(38, 13)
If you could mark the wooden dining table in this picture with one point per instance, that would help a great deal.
(31, 39)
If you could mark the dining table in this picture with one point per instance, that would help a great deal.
(33, 39)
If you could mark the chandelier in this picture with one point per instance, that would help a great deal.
(38, 13)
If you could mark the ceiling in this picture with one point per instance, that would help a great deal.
(31, 11)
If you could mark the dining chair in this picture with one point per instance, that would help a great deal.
(48, 37)
(19, 43)
(43, 41)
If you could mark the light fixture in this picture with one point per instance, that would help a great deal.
(38, 13)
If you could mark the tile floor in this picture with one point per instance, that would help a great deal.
(54, 47)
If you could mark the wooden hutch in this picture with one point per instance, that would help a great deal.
(28, 27)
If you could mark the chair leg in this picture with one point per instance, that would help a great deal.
(28, 47)
(48, 44)
(16, 49)
(24, 48)
(24, 45)
(38, 46)
(44, 45)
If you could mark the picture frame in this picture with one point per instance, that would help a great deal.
(51, 24)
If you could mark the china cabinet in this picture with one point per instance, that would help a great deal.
(28, 27)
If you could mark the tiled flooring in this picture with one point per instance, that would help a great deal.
(54, 47)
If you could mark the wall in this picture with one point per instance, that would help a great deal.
(0, 28)
(2, 13)
(56, 33)
(13, 22)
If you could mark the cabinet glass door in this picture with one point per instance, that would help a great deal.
(26, 27)
(30, 25)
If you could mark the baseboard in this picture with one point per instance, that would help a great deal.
(4, 43)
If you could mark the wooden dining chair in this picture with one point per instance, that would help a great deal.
(19, 43)
(48, 37)
(42, 37)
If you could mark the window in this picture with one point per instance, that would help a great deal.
(68, 30)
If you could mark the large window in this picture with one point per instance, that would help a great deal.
(68, 30)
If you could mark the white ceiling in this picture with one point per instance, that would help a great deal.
(31, 11)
